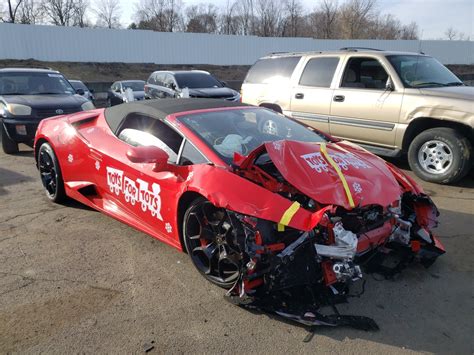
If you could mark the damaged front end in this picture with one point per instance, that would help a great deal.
(301, 274)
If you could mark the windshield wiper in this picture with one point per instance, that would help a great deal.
(429, 83)
(14, 93)
(49, 93)
(455, 83)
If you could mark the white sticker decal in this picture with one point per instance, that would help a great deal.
(357, 188)
(70, 158)
(343, 160)
(135, 191)
(97, 165)
(168, 227)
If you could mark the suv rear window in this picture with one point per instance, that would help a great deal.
(319, 72)
(264, 69)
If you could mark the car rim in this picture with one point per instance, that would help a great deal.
(270, 127)
(435, 157)
(209, 238)
(49, 176)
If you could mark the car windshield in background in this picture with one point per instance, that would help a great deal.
(196, 81)
(28, 83)
(418, 71)
(78, 85)
(134, 85)
(242, 130)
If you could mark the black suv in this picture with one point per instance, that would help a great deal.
(187, 83)
(29, 95)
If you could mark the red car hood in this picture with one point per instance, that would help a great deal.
(335, 173)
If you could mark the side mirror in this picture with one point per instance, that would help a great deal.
(172, 86)
(223, 82)
(91, 91)
(149, 154)
(80, 92)
(389, 85)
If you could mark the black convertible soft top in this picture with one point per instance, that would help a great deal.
(160, 108)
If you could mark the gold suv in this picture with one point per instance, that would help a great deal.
(388, 102)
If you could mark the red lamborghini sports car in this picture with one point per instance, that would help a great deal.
(283, 216)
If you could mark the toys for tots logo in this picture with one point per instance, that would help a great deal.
(135, 191)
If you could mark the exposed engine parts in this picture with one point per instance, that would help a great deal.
(297, 274)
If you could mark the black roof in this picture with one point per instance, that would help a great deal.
(160, 108)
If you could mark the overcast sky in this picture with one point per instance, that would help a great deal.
(432, 16)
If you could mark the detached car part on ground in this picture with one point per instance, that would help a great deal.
(286, 223)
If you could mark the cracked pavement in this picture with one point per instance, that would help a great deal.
(73, 280)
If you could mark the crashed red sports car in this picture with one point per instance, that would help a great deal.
(285, 223)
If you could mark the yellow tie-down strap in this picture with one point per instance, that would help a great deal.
(339, 172)
(287, 216)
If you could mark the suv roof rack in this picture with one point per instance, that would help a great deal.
(355, 49)
(29, 67)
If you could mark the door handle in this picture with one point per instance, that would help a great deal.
(299, 96)
(338, 98)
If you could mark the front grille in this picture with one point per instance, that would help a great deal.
(49, 112)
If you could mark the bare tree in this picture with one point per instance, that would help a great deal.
(409, 31)
(329, 12)
(30, 12)
(268, 13)
(59, 12)
(245, 11)
(201, 18)
(11, 12)
(108, 13)
(228, 19)
(451, 33)
(159, 15)
(293, 18)
(80, 13)
(355, 17)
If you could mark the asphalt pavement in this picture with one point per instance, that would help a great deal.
(73, 280)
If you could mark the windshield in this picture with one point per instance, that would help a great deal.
(28, 83)
(242, 130)
(134, 85)
(78, 85)
(418, 71)
(196, 81)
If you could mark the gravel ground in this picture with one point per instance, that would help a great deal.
(75, 281)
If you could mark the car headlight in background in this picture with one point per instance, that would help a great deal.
(87, 106)
(15, 110)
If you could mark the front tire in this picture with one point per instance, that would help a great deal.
(50, 172)
(9, 146)
(440, 155)
(209, 238)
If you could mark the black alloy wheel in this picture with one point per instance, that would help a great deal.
(50, 173)
(209, 238)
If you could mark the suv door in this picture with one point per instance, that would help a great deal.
(312, 94)
(362, 108)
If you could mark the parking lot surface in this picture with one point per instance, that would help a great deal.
(75, 280)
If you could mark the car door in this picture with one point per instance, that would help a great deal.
(362, 108)
(312, 94)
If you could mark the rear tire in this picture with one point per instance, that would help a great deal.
(50, 173)
(9, 146)
(440, 155)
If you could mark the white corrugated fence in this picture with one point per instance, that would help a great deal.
(54, 43)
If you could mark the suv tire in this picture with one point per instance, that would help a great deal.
(9, 146)
(440, 155)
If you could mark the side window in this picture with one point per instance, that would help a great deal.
(159, 79)
(319, 72)
(169, 82)
(151, 79)
(364, 73)
(264, 70)
(140, 130)
(191, 155)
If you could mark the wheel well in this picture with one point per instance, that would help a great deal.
(38, 144)
(273, 107)
(185, 200)
(421, 124)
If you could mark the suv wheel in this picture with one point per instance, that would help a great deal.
(9, 146)
(441, 155)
